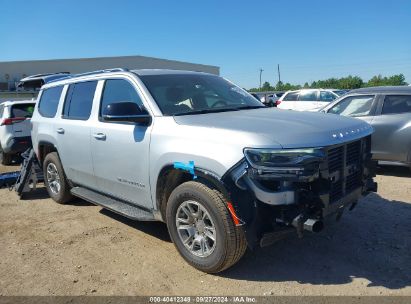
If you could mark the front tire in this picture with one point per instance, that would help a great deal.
(202, 229)
(55, 179)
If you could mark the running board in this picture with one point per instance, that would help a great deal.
(131, 211)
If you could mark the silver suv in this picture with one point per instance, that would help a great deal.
(197, 152)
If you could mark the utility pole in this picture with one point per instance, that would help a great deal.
(279, 75)
(261, 71)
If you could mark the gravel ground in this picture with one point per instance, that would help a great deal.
(80, 249)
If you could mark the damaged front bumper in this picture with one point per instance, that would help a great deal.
(273, 204)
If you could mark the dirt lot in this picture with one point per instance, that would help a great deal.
(77, 249)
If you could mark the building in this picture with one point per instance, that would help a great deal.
(12, 71)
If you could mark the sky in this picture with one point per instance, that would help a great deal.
(310, 39)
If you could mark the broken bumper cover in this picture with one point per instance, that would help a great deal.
(271, 203)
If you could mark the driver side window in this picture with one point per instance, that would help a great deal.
(354, 106)
(119, 90)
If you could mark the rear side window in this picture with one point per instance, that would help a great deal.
(49, 101)
(119, 90)
(22, 110)
(397, 104)
(291, 96)
(308, 96)
(79, 100)
(1, 111)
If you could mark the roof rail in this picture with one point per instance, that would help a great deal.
(38, 76)
(100, 72)
(93, 73)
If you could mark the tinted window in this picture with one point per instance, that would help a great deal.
(308, 96)
(184, 94)
(79, 100)
(22, 110)
(118, 90)
(354, 106)
(396, 104)
(327, 96)
(1, 111)
(49, 101)
(340, 92)
(291, 96)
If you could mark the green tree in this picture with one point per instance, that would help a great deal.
(266, 86)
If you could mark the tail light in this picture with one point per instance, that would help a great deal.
(10, 121)
(277, 102)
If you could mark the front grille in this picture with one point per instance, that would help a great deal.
(336, 158)
(353, 152)
(345, 167)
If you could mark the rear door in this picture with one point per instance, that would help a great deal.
(392, 137)
(73, 133)
(21, 113)
(288, 101)
(307, 100)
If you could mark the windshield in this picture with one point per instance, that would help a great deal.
(185, 94)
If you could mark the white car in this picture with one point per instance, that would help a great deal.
(306, 99)
(15, 128)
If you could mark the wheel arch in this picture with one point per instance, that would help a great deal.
(169, 178)
(44, 148)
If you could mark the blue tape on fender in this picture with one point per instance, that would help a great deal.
(186, 167)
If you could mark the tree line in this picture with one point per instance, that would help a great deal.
(349, 82)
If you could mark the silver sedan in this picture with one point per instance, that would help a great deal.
(388, 110)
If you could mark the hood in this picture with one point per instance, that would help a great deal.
(290, 129)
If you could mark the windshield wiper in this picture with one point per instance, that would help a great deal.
(216, 110)
(205, 111)
(249, 107)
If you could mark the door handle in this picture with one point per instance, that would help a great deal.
(99, 136)
(60, 131)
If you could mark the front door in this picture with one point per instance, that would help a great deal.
(392, 140)
(120, 151)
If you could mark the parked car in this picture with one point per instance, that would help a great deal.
(340, 92)
(34, 82)
(193, 150)
(388, 110)
(306, 99)
(14, 128)
(267, 98)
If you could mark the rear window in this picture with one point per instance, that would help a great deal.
(291, 96)
(79, 100)
(49, 101)
(397, 104)
(22, 110)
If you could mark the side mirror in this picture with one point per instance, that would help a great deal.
(126, 112)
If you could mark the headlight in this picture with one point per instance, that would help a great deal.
(285, 159)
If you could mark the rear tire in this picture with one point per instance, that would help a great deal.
(55, 179)
(5, 159)
(210, 218)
